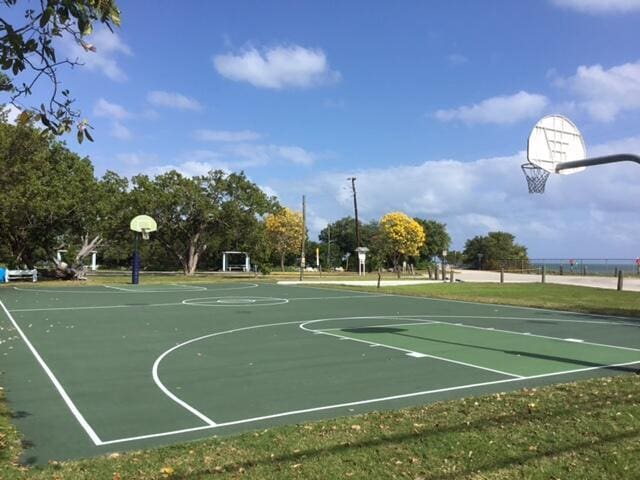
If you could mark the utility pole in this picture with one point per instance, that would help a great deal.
(329, 246)
(304, 235)
(355, 208)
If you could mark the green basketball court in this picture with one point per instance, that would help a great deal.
(95, 369)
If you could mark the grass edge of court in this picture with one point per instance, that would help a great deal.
(391, 441)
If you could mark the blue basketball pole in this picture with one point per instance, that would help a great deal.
(135, 267)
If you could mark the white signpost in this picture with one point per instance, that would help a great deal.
(362, 258)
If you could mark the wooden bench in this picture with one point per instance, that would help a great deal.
(21, 274)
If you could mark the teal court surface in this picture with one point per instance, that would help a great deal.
(94, 369)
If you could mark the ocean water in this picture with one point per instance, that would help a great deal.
(591, 266)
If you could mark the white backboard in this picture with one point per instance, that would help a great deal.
(143, 222)
(553, 140)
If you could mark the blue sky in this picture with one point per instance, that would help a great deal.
(428, 104)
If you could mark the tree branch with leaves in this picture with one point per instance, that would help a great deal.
(28, 54)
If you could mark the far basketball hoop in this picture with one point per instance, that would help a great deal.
(142, 225)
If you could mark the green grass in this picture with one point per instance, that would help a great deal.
(552, 296)
(588, 429)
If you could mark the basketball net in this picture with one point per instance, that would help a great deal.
(145, 234)
(536, 177)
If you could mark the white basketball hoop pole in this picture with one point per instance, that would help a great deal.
(589, 162)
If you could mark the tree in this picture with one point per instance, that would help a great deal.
(400, 236)
(343, 237)
(492, 251)
(113, 213)
(27, 54)
(285, 231)
(46, 193)
(437, 238)
(194, 214)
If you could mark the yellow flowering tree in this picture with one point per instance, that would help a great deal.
(284, 231)
(400, 235)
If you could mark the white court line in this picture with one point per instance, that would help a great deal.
(74, 410)
(110, 292)
(338, 297)
(390, 325)
(582, 342)
(97, 307)
(70, 290)
(444, 359)
(361, 402)
(489, 329)
(175, 398)
(222, 289)
(528, 334)
(132, 289)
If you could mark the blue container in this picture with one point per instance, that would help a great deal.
(3, 273)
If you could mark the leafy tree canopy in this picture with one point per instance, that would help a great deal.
(28, 54)
(437, 238)
(285, 231)
(196, 213)
(343, 234)
(400, 235)
(46, 193)
(493, 251)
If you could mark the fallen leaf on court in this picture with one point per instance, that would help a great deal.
(356, 427)
(166, 471)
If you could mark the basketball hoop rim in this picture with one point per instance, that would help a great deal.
(536, 177)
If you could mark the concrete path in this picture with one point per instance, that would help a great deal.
(630, 284)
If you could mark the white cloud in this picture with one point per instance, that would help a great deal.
(175, 100)
(623, 145)
(190, 168)
(12, 113)
(505, 109)
(589, 214)
(245, 154)
(293, 154)
(103, 108)
(121, 132)
(268, 190)
(227, 136)
(107, 45)
(232, 157)
(456, 59)
(277, 67)
(605, 93)
(134, 159)
(596, 7)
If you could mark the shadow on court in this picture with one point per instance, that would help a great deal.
(539, 356)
